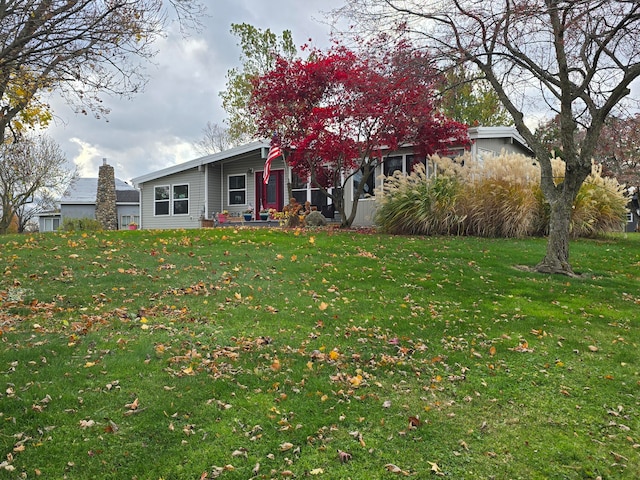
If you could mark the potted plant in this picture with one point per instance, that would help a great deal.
(248, 214)
(264, 214)
(222, 216)
(133, 226)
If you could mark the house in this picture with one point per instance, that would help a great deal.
(80, 202)
(183, 195)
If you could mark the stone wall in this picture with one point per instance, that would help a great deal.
(106, 210)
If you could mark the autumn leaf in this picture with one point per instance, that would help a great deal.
(286, 446)
(395, 469)
(435, 468)
(344, 457)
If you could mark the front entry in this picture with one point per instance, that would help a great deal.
(270, 195)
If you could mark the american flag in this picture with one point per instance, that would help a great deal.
(274, 152)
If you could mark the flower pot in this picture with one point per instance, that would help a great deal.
(247, 217)
(222, 218)
(133, 227)
(264, 216)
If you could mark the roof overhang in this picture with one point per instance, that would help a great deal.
(214, 158)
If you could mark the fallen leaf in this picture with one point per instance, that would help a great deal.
(395, 469)
(344, 457)
(435, 468)
(241, 452)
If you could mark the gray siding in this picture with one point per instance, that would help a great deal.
(78, 211)
(195, 179)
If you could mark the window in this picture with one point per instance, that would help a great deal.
(181, 199)
(368, 190)
(392, 164)
(129, 219)
(237, 189)
(161, 200)
(51, 224)
(298, 188)
(402, 163)
(412, 160)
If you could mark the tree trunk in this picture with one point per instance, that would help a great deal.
(556, 259)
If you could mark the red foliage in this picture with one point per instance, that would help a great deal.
(336, 110)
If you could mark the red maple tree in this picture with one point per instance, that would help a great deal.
(338, 112)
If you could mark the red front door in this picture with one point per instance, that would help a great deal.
(270, 195)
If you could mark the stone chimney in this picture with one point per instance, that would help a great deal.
(106, 210)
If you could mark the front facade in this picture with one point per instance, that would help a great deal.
(184, 195)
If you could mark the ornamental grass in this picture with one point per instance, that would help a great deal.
(500, 196)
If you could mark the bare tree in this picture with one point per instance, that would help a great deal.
(32, 169)
(216, 138)
(579, 56)
(81, 48)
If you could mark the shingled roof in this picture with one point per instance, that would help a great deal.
(83, 191)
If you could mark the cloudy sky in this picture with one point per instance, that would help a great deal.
(159, 127)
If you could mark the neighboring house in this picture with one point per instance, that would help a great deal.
(80, 202)
(183, 195)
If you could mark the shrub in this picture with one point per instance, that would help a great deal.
(81, 225)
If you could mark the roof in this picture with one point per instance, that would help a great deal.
(498, 132)
(213, 158)
(474, 133)
(84, 190)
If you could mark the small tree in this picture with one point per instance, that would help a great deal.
(469, 99)
(336, 110)
(31, 168)
(260, 49)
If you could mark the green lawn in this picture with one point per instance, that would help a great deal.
(269, 353)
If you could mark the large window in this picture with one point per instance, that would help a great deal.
(181, 199)
(176, 197)
(237, 189)
(161, 200)
(402, 163)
